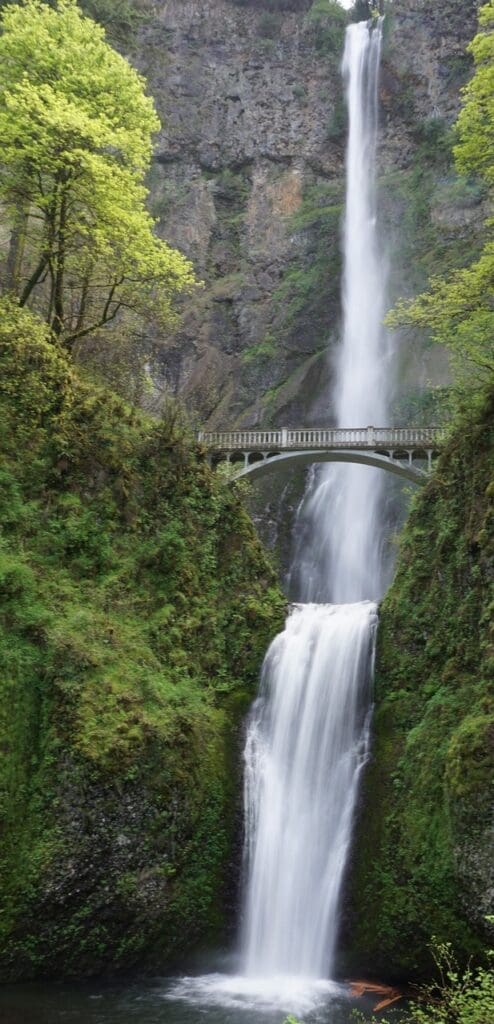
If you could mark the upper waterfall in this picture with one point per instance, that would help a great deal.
(339, 531)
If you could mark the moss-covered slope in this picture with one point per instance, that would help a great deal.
(136, 604)
(423, 862)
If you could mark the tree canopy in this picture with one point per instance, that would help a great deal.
(76, 127)
(459, 309)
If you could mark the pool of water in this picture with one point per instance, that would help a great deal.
(195, 999)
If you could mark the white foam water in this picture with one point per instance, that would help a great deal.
(286, 993)
(306, 743)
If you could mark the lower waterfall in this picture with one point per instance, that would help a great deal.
(306, 743)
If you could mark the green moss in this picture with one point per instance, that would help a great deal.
(261, 352)
(427, 792)
(470, 759)
(136, 604)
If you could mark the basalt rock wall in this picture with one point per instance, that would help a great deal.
(248, 181)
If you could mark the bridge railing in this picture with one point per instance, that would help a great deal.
(282, 440)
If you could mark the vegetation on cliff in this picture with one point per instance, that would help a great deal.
(137, 602)
(458, 995)
(136, 608)
(458, 309)
(424, 858)
(423, 865)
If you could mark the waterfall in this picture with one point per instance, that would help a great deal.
(307, 734)
(308, 731)
(305, 747)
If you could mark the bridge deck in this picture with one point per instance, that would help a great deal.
(370, 438)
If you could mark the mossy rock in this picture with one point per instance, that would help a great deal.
(422, 862)
(137, 604)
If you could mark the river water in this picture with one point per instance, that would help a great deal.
(164, 1001)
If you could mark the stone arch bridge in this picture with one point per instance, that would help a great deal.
(405, 451)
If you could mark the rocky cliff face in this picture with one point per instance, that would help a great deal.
(248, 181)
(427, 50)
(248, 97)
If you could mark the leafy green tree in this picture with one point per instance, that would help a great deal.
(76, 128)
(475, 150)
(459, 309)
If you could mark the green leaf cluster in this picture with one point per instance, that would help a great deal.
(457, 996)
(77, 126)
(474, 151)
(330, 20)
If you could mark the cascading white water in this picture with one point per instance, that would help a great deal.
(305, 747)
(307, 736)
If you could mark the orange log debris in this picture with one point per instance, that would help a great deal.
(391, 995)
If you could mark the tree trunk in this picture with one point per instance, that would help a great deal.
(58, 288)
(16, 251)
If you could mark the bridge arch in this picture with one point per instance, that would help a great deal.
(406, 470)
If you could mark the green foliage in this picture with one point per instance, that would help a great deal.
(362, 10)
(428, 406)
(265, 350)
(458, 996)
(474, 152)
(425, 839)
(76, 127)
(460, 191)
(435, 140)
(136, 607)
(329, 20)
(231, 187)
(459, 313)
(121, 19)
